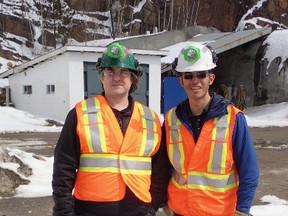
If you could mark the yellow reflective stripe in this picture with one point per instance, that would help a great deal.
(112, 156)
(214, 132)
(225, 147)
(144, 136)
(99, 169)
(155, 135)
(87, 129)
(169, 118)
(228, 120)
(135, 158)
(101, 127)
(224, 157)
(212, 182)
(136, 172)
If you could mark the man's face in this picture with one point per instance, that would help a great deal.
(196, 84)
(116, 81)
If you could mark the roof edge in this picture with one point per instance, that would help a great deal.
(69, 48)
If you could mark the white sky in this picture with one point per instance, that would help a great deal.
(13, 120)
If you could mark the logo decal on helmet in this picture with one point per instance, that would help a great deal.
(192, 54)
(195, 57)
(117, 55)
(115, 50)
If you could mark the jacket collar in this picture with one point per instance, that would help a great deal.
(218, 107)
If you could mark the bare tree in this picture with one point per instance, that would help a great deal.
(196, 12)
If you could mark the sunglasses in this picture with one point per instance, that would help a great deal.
(198, 75)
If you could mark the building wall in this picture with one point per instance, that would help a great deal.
(52, 72)
(66, 73)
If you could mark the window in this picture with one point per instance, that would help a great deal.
(27, 89)
(50, 89)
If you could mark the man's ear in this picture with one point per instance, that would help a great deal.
(211, 78)
(180, 80)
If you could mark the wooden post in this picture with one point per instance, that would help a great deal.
(7, 95)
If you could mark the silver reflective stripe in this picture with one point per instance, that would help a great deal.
(177, 158)
(211, 181)
(217, 157)
(135, 165)
(98, 162)
(175, 136)
(220, 146)
(150, 122)
(174, 127)
(113, 161)
(92, 111)
(179, 178)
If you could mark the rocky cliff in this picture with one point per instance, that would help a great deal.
(29, 28)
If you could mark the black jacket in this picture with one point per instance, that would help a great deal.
(66, 162)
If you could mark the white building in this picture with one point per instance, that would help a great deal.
(51, 85)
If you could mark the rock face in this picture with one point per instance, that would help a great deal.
(53, 23)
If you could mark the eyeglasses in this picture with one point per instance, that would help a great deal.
(111, 73)
(198, 75)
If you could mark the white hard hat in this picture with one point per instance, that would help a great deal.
(195, 57)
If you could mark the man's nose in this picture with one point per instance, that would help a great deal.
(116, 75)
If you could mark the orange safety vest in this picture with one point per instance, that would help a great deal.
(204, 181)
(109, 162)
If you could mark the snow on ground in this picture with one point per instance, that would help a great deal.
(268, 115)
(13, 121)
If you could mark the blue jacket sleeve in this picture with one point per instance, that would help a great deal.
(246, 164)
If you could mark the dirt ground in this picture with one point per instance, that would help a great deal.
(271, 146)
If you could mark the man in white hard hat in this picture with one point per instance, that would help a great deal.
(215, 169)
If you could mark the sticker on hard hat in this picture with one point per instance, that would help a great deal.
(192, 54)
(115, 50)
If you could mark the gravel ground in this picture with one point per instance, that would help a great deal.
(269, 144)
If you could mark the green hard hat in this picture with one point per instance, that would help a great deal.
(117, 55)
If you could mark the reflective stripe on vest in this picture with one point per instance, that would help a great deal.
(219, 144)
(106, 162)
(95, 132)
(111, 163)
(207, 181)
(177, 150)
(217, 157)
(149, 138)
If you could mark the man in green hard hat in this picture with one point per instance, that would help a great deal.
(108, 160)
